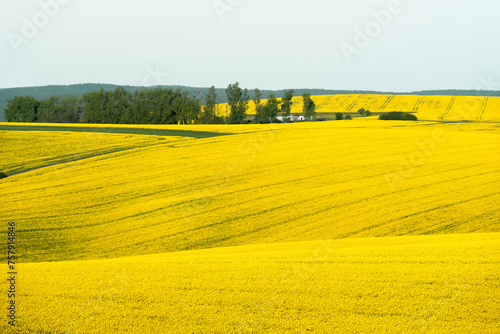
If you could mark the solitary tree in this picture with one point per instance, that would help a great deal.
(309, 106)
(339, 116)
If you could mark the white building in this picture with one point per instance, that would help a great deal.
(292, 118)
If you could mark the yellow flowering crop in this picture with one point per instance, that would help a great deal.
(423, 284)
(448, 108)
(359, 226)
(27, 150)
(292, 182)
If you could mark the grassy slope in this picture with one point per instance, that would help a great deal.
(292, 182)
(422, 284)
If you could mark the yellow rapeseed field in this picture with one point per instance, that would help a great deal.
(448, 108)
(359, 226)
(25, 151)
(292, 182)
(422, 284)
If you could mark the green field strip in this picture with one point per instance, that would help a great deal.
(117, 130)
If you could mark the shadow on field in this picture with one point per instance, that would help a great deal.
(132, 131)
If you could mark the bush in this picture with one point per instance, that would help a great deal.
(3, 175)
(410, 117)
(348, 116)
(339, 116)
(398, 116)
(364, 112)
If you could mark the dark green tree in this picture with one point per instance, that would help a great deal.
(153, 111)
(22, 109)
(238, 102)
(208, 114)
(258, 106)
(147, 106)
(309, 107)
(286, 103)
(94, 107)
(60, 109)
(117, 104)
(49, 110)
(270, 110)
(339, 116)
(73, 108)
(167, 113)
(187, 108)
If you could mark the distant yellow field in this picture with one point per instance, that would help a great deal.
(448, 108)
(423, 284)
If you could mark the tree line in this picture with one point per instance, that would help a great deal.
(153, 106)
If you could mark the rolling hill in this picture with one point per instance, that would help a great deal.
(349, 226)
(444, 108)
(421, 284)
(294, 182)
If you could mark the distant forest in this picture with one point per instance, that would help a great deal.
(70, 98)
(145, 106)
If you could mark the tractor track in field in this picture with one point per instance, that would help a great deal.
(483, 108)
(448, 109)
(225, 222)
(353, 103)
(417, 104)
(67, 159)
(389, 99)
(415, 214)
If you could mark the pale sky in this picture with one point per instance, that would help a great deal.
(384, 45)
